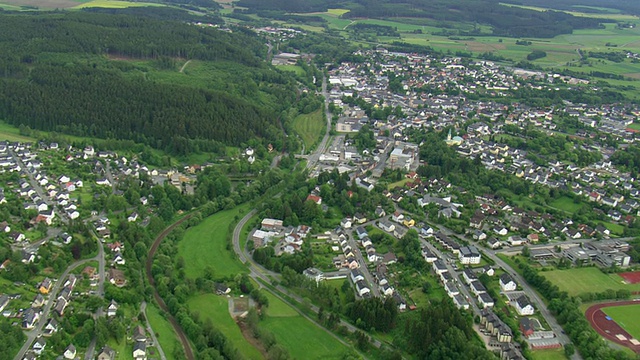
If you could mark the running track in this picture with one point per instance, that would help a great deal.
(609, 328)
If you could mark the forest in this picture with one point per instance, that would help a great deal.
(55, 76)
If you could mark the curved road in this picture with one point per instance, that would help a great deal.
(186, 345)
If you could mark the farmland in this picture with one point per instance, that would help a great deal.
(206, 245)
(626, 316)
(587, 280)
(216, 308)
(114, 4)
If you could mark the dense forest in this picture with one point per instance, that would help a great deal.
(55, 76)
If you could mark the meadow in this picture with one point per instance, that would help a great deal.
(216, 308)
(310, 127)
(164, 332)
(302, 338)
(550, 354)
(626, 316)
(207, 245)
(11, 133)
(565, 203)
(586, 280)
(114, 4)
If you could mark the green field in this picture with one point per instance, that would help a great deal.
(551, 354)
(216, 308)
(399, 183)
(566, 203)
(293, 68)
(310, 127)
(11, 133)
(164, 332)
(626, 316)
(302, 338)
(634, 126)
(206, 245)
(114, 4)
(583, 280)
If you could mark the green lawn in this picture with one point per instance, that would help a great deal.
(551, 354)
(582, 280)
(399, 183)
(216, 308)
(277, 308)
(206, 245)
(634, 126)
(626, 316)
(293, 68)
(310, 127)
(566, 203)
(164, 332)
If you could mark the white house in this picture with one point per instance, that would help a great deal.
(469, 255)
(523, 306)
(70, 352)
(485, 300)
(507, 283)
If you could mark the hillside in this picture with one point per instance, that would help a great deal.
(88, 74)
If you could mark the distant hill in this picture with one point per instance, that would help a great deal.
(55, 75)
(505, 20)
(593, 6)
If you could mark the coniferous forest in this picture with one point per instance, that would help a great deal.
(55, 75)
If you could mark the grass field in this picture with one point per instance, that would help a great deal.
(566, 204)
(302, 338)
(310, 127)
(582, 280)
(293, 68)
(551, 354)
(11, 133)
(634, 126)
(164, 332)
(399, 183)
(206, 245)
(114, 4)
(627, 317)
(216, 308)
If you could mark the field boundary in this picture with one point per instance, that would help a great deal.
(608, 329)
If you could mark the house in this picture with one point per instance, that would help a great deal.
(397, 217)
(222, 289)
(507, 283)
(500, 230)
(408, 222)
(361, 232)
(469, 255)
(533, 238)
(116, 277)
(485, 300)
(523, 306)
(452, 289)
(133, 217)
(106, 353)
(39, 345)
(400, 302)
(359, 218)
(112, 309)
(61, 304)
(140, 350)
(29, 318)
(380, 212)
(389, 258)
(4, 301)
(386, 225)
(493, 243)
(139, 334)
(460, 302)
(45, 286)
(355, 276)
(428, 255)
(526, 327)
(477, 288)
(70, 352)
(479, 235)
(315, 198)
(346, 223)
(362, 288)
(439, 267)
(515, 240)
(66, 238)
(51, 327)
(469, 276)
(37, 302)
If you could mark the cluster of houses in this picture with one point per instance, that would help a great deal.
(288, 239)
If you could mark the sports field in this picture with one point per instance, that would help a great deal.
(206, 245)
(627, 317)
(584, 280)
(216, 308)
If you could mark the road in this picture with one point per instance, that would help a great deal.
(312, 159)
(186, 345)
(529, 291)
(44, 316)
(256, 272)
(89, 354)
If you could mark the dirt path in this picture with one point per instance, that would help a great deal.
(184, 66)
(176, 327)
